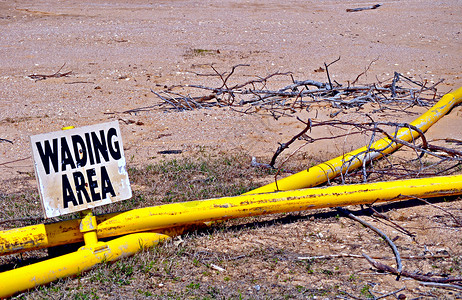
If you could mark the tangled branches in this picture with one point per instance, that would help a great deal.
(425, 158)
(397, 94)
(255, 95)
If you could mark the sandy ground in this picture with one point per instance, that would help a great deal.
(118, 51)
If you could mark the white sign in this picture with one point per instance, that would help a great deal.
(80, 168)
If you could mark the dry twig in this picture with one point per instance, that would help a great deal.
(420, 277)
(348, 255)
(379, 232)
(38, 77)
(284, 146)
(456, 220)
(5, 140)
(442, 285)
(255, 96)
(363, 8)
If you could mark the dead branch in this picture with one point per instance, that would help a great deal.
(327, 71)
(280, 169)
(144, 108)
(374, 127)
(442, 285)
(365, 71)
(379, 232)
(456, 220)
(420, 277)
(224, 80)
(363, 8)
(232, 72)
(13, 161)
(298, 95)
(259, 96)
(347, 255)
(400, 228)
(452, 152)
(389, 294)
(284, 146)
(5, 140)
(260, 80)
(38, 77)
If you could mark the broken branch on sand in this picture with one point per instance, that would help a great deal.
(38, 77)
(348, 255)
(284, 146)
(456, 220)
(399, 270)
(363, 8)
(420, 277)
(5, 140)
(380, 233)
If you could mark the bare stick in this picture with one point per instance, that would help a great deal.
(391, 270)
(13, 161)
(442, 285)
(327, 71)
(458, 222)
(365, 71)
(379, 232)
(297, 83)
(284, 146)
(347, 255)
(5, 140)
(38, 77)
(363, 8)
(402, 229)
(389, 294)
(393, 84)
(232, 71)
(452, 152)
(163, 98)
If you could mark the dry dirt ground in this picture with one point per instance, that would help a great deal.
(119, 51)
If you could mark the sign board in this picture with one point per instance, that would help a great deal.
(80, 168)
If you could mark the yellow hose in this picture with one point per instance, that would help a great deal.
(321, 173)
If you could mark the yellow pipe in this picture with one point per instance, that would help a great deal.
(30, 276)
(40, 236)
(61, 233)
(321, 173)
(173, 215)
